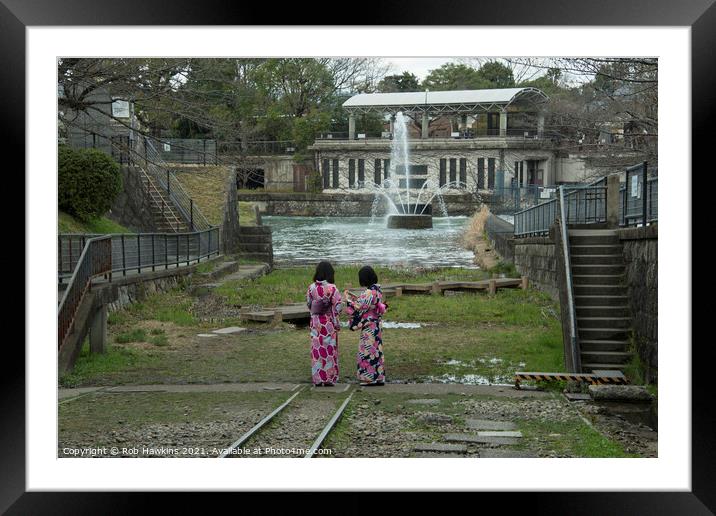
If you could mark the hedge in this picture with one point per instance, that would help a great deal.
(88, 182)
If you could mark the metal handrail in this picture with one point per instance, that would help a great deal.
(576, 359)
(95, 260)
(143, 252)
(536, 220)
(157, 167)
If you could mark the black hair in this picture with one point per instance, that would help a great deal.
(324, 272)
(367, 276)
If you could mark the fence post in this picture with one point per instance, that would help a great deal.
(139, 254)
(613, 185)
(191, 214)
(124, 259)
(644, 192)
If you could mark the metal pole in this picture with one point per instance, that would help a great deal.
(187, 248)
(191, 212)
(154, 260)
(576, 362)
(166, 252)
(644, 190)
(124, 259)
(139, 254)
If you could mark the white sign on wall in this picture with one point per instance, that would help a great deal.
(120, 109)
(635, 189)
(167, 147)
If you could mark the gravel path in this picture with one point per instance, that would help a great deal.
(293, 431)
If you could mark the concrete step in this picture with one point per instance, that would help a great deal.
(220, 270)
(265, 257)
(253, 239)
(598, 279)
(256, 248)
(602, 333)
(603, 322)
(599, 290)
(591, 232)
(605, 357)
(588, 367)
(593, 269)
(603, 311)
(597, 259)
(604, 345)
(595, 249)
(600, 300)
(253, 230)
(609, 239)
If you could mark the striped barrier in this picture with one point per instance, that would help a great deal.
(596, 378)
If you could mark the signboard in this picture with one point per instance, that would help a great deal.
(167, 147)
(120, 109)
(635, 188)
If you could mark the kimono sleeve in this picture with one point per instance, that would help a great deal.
(337, 301)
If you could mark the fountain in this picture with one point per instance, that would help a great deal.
(406, 212)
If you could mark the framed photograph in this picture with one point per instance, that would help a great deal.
(437, 250)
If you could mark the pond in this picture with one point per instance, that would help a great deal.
(307, 240)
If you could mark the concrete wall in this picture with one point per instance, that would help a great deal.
(500, 233)
(535, 257)
(342, 204)
(256, 243)
(641, 256)
(132, 207)
(230, 228)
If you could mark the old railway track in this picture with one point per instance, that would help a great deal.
(307, 420)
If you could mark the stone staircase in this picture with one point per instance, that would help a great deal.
(166, 216)
(600, 297)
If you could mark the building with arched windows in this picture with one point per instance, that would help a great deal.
(478, 139)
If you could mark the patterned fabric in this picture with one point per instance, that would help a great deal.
(324, 332)
(366, 311)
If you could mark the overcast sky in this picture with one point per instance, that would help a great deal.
(419, 66)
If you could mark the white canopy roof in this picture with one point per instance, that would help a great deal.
(460, 101)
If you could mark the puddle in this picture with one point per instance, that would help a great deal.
(469, 379)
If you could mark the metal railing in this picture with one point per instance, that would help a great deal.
(257, 148)
(583, 204)
(639, 206)
(93, 259)
(572, 313)
(141, 252)
(513, 198)
(159, 171)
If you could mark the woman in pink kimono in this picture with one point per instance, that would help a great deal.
(324, 302)
(366, 313)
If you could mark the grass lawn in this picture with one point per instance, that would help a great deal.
(468, 337)
(207, 187)
(66, 223)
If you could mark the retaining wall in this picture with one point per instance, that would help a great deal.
(342, 204)
(256, 243)
(132, 208)
(535, 257)
(641, 256)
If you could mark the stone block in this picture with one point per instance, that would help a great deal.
(441, 448)
(487, 424)
(627, 393)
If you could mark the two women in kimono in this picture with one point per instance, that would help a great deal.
(325, 303)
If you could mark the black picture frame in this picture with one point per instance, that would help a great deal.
(700, 15)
